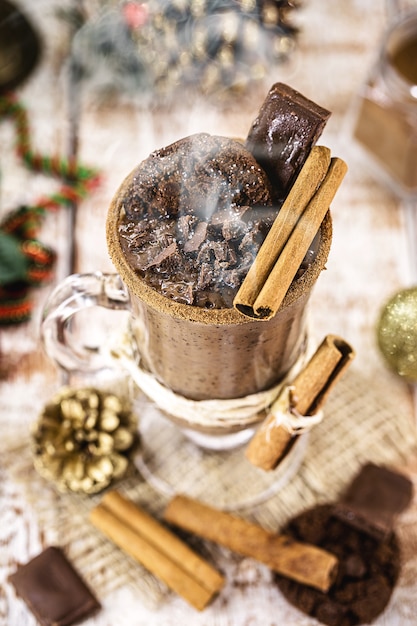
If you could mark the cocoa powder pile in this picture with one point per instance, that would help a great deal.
(368, 570)
(359, 530)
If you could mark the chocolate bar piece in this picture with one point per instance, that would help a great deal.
(53, 590)
(281, 137)
(374, 499)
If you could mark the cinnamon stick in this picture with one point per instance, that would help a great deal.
(309, 392)
(302, 562)
(310, 177)
(157, 549)
(275, 266)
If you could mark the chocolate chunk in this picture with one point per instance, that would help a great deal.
(197, 238)
(374, 499)
(185, 226)
(368, 570)
(282, 135)
(164, 254)
(53, 590)
(205, 276)
(180, 291)
(233, 229)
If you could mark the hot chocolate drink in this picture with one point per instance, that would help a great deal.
(187, 230)
(183, 230)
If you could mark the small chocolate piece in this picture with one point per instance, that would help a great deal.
(367, 573)
(374, 499)
(281, 137)
(53, 590)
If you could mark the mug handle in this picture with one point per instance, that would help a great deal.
(77, 293)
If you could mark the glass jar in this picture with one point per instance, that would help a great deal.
(386, 117)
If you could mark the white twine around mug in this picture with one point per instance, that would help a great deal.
(216, 413)
(286, 415)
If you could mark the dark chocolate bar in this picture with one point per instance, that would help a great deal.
(281, 137)
(374, 499)
(53, 590)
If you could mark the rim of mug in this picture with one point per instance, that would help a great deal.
(158, 301)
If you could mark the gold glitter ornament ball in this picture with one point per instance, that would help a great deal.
(397, 333)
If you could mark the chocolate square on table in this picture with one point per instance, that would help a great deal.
(53, 590)
(374, 499)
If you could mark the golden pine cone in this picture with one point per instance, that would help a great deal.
(83, 439)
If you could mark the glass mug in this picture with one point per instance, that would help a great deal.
(385, 124)
(199, 354)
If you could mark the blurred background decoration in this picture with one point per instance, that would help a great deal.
(24, 261)
(20, 47)
(154, 48)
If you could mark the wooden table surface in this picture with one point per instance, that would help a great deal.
(370, 258)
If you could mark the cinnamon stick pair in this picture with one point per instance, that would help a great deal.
(290, 236)
(302, 562)
(157, 549)
(309, 392)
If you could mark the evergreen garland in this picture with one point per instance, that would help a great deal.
(25, 262)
